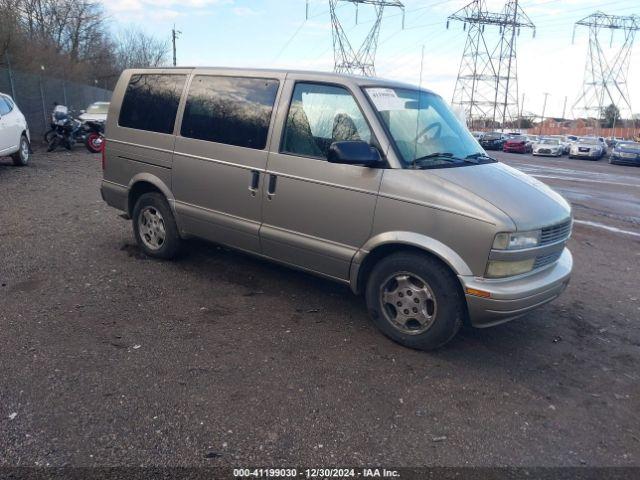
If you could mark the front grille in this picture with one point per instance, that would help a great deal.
(583, 149)
(544, 150)
(544, 260)
(555, 233)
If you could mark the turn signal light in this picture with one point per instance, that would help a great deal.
(478, 293)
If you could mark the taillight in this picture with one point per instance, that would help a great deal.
(104, 153)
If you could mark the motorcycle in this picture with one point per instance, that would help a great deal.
(94, 135)
(65, 130)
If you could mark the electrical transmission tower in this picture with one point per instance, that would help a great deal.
(360, 61)
(606, 71)
(487, 83)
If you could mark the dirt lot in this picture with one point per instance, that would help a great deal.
(109, 358)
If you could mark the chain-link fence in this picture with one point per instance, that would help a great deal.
(35, 94)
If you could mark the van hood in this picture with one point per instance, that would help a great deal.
(528, 202)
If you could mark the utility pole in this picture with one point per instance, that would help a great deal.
(361, 61)
(174, 35)
(606, 71)
(564, 107)
(521, 113)
(544, 107)
(487, 83)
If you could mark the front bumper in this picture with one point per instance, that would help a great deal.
(578, 154)
(515, 148)
(615, 159)
(512, 297)
(549, 153)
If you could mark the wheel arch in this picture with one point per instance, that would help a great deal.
(146, 183)
(390, 242)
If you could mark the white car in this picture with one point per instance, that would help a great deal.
(14, 132)
(548, 146)
(96, 112)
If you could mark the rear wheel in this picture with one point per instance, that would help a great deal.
(94, 142)
(415, 300)
(154, 227)
(21, 157)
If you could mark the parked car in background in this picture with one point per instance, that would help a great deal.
(96, 112)
(14, 132)
(589, 148)
(477, 135)
(625, 153)
(517, 144)
(493, 141)
(603, 143)
(326, 173)
(612, 141)
(549, 147)
(563, 142)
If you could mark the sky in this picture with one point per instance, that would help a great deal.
(276, 34)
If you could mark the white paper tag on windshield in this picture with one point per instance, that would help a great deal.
(386, 99)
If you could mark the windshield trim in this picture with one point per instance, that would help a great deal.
(364, 88)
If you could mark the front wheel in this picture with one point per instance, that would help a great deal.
(21, 157)
(415, 300)
(53, 143)
(155, 228)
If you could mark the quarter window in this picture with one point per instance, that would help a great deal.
(320, 115)
(151, 102)
(230, 110)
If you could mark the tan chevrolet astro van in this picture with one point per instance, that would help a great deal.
(365, 181)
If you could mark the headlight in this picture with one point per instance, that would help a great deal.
(516, 240)
(500, 269)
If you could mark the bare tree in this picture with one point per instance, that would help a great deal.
(136, 49)
(72, 39)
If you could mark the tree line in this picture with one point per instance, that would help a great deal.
(72, 39)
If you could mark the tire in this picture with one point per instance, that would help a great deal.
(53, 144)
(155, 228)
(21, 157)
(48, 135)
(446, 309)
(94, 142)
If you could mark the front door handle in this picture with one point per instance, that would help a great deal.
(273, 183)
(255, 182)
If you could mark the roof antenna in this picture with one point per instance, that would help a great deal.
(415, 145)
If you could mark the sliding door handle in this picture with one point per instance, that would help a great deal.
(273, 183)
(255, 182)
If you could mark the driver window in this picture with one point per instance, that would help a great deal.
(320, 115)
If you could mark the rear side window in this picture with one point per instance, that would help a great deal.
(230, 110)
(151, 102)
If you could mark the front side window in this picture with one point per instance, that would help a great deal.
(320, 115)
(151, 102)
(230, 110)
(427, 134)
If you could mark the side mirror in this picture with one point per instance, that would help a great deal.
(354, 153)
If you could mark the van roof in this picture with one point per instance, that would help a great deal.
(312, 75)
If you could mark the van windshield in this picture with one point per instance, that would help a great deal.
(427, 134)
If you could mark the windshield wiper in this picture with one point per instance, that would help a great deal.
(442, 156)
(479, 156)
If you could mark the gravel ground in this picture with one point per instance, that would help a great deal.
(110, 358)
